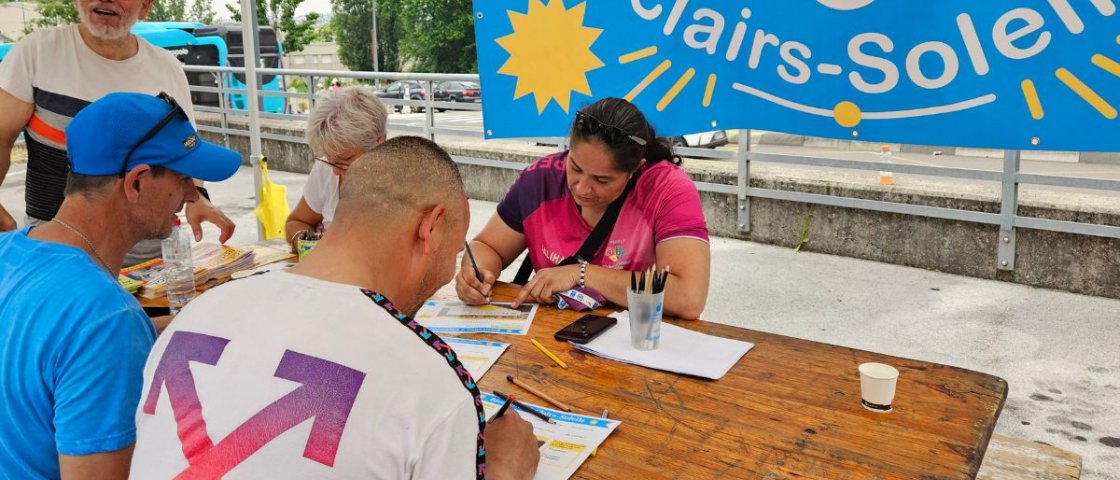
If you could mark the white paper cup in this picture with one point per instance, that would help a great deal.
(645, 319)
(877, 383)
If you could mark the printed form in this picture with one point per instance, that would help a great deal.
(477, 356)
(564, 446)
(455, 317)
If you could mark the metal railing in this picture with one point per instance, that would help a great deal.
(1010, 178)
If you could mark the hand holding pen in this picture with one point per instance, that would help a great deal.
(511, 446)
(510, 400)
(473, 285)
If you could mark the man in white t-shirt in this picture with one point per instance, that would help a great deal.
(320, 371)
(343, 125)
(53, 73)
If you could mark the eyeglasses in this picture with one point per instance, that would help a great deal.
(175, 110)
(338, 165)
(612, 133)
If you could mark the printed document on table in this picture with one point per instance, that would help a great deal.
(455, 317)
(477, 356)
(564, 446)
(680, 350)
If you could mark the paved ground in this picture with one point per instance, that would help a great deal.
(1058, 351)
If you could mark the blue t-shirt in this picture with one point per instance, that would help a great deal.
(72, 351)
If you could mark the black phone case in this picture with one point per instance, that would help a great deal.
(585, 329)
(157, 311)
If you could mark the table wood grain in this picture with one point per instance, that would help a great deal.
(789, 409)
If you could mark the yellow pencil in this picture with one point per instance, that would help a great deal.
(546, 352)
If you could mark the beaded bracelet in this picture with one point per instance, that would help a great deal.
(582, 274)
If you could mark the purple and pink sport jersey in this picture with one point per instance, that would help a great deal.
(663, 206)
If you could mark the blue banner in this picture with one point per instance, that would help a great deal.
(1017, 74)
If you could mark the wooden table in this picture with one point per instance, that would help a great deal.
(161, 300)
(789, 409)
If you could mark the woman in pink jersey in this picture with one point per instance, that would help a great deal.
(557, 201)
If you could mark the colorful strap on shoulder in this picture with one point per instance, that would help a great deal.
(445, 351)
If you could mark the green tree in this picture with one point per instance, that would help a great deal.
(281, 16)
(298, 84)
(326, 33)
(352, 20)
(54, 12)
(168, 11)
(441, 35)
(202, 11)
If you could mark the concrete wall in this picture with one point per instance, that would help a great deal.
(1076, 263)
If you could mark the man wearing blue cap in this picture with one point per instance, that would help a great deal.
(75, 342)
(52, 73)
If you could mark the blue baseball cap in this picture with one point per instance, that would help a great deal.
(120, 131)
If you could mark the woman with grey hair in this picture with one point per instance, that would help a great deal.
(342, 126)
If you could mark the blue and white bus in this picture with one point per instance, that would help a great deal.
(220, 45)
(195, 43)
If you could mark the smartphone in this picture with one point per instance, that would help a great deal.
(585, 329)
(157, 311)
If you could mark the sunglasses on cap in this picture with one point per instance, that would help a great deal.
(176, 110)
(613, 134)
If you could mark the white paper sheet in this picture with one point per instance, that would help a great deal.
(477, 356)
(680, 351)
(455, 317)
(565, 445)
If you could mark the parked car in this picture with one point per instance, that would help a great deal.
(416, 91)
(457, 91)
(717, 138)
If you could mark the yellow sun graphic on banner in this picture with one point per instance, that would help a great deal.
(550, 52)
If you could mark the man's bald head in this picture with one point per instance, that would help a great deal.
(398, 179)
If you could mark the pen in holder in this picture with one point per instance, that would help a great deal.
(305, 242)
(646, 300)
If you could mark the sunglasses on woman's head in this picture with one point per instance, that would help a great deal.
(175, 110)
(614, 134)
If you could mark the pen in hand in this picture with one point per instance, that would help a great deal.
(474, 264)
(505, 406)
(525, 408)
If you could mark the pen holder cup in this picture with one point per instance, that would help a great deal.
(304, 246)
(645, 319)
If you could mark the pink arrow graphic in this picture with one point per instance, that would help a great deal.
(327, 395)
(174, 371)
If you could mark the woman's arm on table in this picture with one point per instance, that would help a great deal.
(302, 219)
(686, 291)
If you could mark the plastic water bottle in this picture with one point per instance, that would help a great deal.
(178, 268)
(886, 179)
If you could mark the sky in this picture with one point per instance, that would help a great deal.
(308, 6)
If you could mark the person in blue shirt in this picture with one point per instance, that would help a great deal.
(74, 343)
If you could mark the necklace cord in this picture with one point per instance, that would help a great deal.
(92, 248)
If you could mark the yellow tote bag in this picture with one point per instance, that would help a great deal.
(272, 206)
